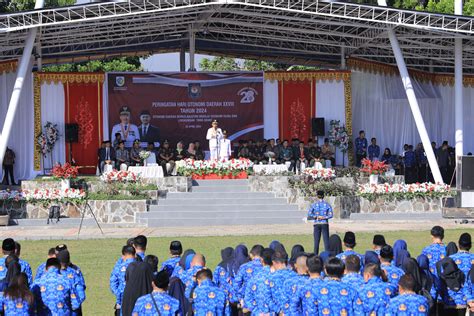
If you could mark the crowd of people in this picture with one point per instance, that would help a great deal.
(384, 280)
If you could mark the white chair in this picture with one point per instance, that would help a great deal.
(151, 159)
(318, 165)
(123, 167)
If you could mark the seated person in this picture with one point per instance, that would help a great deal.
(135, 159)
(391, 160)
(272, 151)
(106, 156)
(179, 153)
(122, 156)
(151, 148)
(302, 157)
(314, 153)
(244, 151)
(199, 152)
(191, 151)
(286, 155)
(259, 153)
(167, 158)
(327, 152)
(117, 140)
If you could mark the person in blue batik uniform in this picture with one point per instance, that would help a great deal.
(223, 274)
(435, 252)
(146, 305)
(361, 148)
(334, 297)
(198, 263)
(258, 293)
(153, 262)
(247, 271)
(303, 302)
(374, 150)
(53, 293)
(453, 290)
(277, 279)
(349, 245)
(408, 303)
(42, 267)
(392, 272)
(352, 272)
(375, 294)
(176, 249)
(117, 277)
(207, 298)
(17, 299)
(320, 212)
(183, 265)
(377, 243)
(463, 259)
(25, 266)
(293, 284)
(140, 243)
(409, 161)
(75, 277)
(8, 248)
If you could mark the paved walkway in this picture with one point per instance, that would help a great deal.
(92, 232)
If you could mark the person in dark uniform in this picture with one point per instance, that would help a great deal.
(8, 162)
(409, 161)
(199, 152)
(421, 162)
(166, 157)
(361, 148)
(320, 212)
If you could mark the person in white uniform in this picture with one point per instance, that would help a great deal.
(224, 147)
(214, 136)
(128, 130)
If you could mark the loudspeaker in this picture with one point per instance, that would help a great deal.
(317, 126)
(467, 165)
(71, 132)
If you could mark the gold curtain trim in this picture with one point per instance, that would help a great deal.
(307, 75)
(37, 120)
(423, 76)
(348, 111)
(8, 66)
(54, 77)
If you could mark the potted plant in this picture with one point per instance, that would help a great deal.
(65, 173)
(373, 169)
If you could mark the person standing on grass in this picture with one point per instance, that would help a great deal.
(176, 249)
(42, 267)
(117, 278)
(320, 213)
(139, 243)
(17, 300)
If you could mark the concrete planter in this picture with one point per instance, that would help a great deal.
(404, 206)
(174, 184)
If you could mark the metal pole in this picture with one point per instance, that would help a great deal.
(39, 59)
(458, 99)
(182, 58)
(415, 109)
(343, 57)
(192, 49)
(17, 88)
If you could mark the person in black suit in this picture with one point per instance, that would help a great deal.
(302, 155)
(106, 156)
(148, 132)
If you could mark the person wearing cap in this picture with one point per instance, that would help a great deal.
(207, 298)
(122, 156)
(53, 292)
(128, 130)
(75, 277)
(158, 299)
(224, 150)
(148, 132)
(8, 248)
(349, 244)
(463, 258)
(378, 242)
(214, 136)
(117, 277)
(166, 158)
(106, 156)
(392, 272)
(319, 213)
(176, 249)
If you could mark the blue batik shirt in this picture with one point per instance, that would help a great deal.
(464, 260)
(375, 295)
(374, 152)
(291, 287)
(320, 209)
(245, 273)
(117, 279)
(258, 293)
(434, 253)
(25, 267)
(189, 280)
(167, 305)
(208, 299)
(346, 253)
(15, 307)
(361, 145)
(40, 271)
(394, 274)
(277, 286)
(54, 294)
(334, 297)
(77, 281)
(304, 302)
(408, 305)
(170, 264)
(179, 273)
(224, 281)
(355, 279)
(409, 159)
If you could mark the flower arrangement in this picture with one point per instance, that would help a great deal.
(338, 135)
(308, 187)
(404, 191)
(121, 176)
(144, 154)
(11, 196)
(374, 167)
(48, 138)
(47, 197)
(65, 171)
(320, 174)
(191, 167)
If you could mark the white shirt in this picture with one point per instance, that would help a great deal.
(224, 150)
(132, 133)
(213, 136)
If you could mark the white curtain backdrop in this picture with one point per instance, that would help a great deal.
(105, 111)
(21, 136)
(381, 109)
(52, 110)
(270, 109)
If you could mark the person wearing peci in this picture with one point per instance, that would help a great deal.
(373, 150)
(166, 158)
(320, 212)
(224, 147)
(128, 130)
(106, 156)
(135, 159)
(214, 136)
(122, 156)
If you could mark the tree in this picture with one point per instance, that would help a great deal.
(8, 6)
(219, 64)
(230, 64)
(107, 65)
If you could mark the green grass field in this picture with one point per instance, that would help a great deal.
(97, 257)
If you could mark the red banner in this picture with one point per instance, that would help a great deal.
(181, 106)
(296, 108)
(84, 107)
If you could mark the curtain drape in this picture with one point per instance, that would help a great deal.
(270, 109)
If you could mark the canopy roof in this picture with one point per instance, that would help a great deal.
(305, 31)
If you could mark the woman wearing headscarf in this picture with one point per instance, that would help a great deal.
(423, 283)
(181, 267)
(176, 287)
(335, 248)
(138, 278)
(222, 273)
(277, 246)
(191, 151)
(241, 257)
(451, 249)
(400, 252)
(424, 264)
(371, 257)
(295, 252)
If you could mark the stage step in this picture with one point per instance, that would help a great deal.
(221, 201)
(212, 206)
(219, 183)
(216, 195)
(222, 188)
(211, 221)
(423, 216)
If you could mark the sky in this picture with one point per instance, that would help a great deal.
(169, 62)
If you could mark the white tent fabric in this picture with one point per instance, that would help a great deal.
(380, 107)
(21, 137)
(270, 109)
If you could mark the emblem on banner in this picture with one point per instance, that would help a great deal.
(248, 95)
(120, 81)
(194, 90)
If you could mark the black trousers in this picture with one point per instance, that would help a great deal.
(454, 312)
(8, 172)
(319, 229)
(359, 158)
